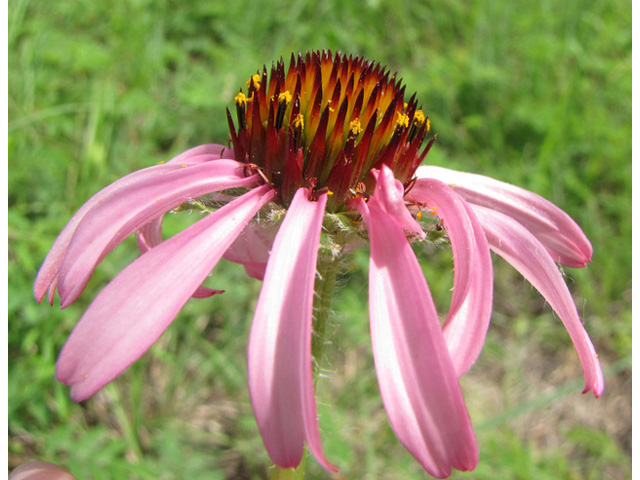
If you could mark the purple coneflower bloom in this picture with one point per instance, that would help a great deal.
(325, 156)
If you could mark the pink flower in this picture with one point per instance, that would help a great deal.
(317, 149)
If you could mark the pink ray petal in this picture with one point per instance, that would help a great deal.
(561, 236)
(48, 273)
(135, 308)
(468, 319)
(251, 249)
(199, 153)
(417, 378)
(150, 235)
(280, 363)
(110, 221)
(525, 253)
(390, 194)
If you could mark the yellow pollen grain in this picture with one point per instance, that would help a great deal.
(285, 97)
(355, 128)
(402, 120)
(419, 118)
(241, 100)
(182, 165)
(428, 125)
(298, 122)
(255, 80)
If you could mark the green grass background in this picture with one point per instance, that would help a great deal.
(534, 93)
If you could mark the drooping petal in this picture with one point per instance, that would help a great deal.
(390, 195)
(251, 249)
(417, 379)
(561, 236)
(150, 235)
(118, 215)
(47, 278)
(135, 308)
(199, 153)
(468, 319)
(280, 363)
(525, 253)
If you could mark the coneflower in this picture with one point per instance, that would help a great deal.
(324, 158)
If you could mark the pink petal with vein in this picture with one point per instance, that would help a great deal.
(150, 235)
(280, 363)
(118, 215)
(417, 378)
(468, 319)
(199, 153)
(526, 254)
(251, 249)
(390, 195)
(47, 278)
(561, 236)
(135, 308)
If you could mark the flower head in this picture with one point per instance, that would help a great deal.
(325, 123)
(328, 151)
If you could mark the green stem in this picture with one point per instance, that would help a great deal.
(278, 473)
(325, 286)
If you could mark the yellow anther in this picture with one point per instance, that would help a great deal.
(428, 125)
(241, 100)
(419, 215)
(402, 120)
(419, 118)
(329, 192)
(285, 97)
(255, 81)
(298, 122)
(355, 128)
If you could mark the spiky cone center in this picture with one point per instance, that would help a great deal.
(325, 123)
